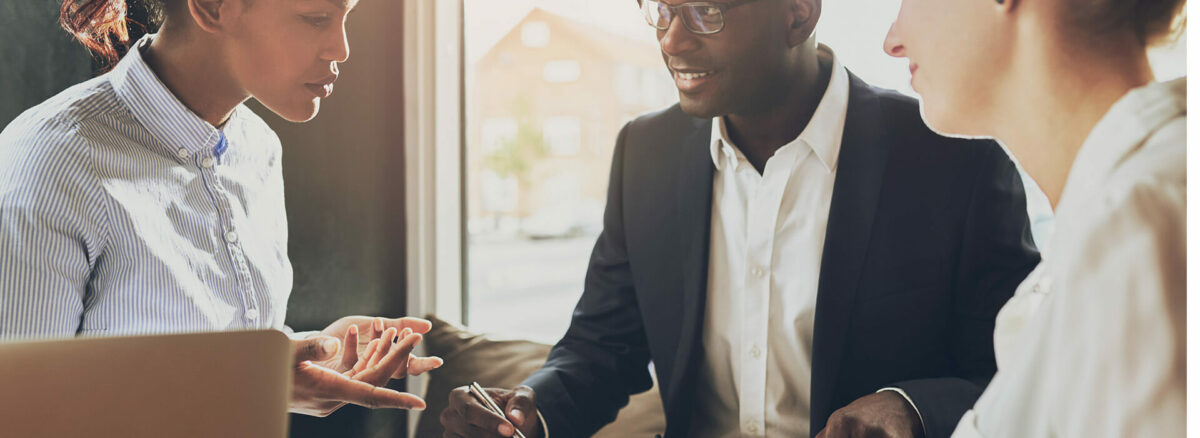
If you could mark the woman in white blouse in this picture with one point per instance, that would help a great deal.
(1093, 342)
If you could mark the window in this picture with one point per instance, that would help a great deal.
(626, 83)
(496, 131)
(535, 34)
(562, 133)
(537, 130)
(561, 71)
(539, 135)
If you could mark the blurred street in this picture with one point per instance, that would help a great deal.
(522, 288)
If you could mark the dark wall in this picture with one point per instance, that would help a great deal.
(342, 172)
(345, 197)
(37, 58)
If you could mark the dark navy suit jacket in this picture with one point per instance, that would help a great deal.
(927, 238)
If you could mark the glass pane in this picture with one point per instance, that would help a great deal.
(549, 85)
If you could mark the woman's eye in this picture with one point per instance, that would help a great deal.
(316, 20)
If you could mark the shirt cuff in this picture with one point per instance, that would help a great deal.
(545, 429)
(910, 403)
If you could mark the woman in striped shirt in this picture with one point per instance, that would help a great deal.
(150, 199)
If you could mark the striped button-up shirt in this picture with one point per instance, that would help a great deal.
(121, 212)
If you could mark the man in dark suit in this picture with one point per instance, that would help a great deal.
(793, 250)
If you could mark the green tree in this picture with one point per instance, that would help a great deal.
(517, 156)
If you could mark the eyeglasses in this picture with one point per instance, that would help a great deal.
(702, 18)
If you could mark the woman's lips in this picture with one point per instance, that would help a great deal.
(324, 87)
(320, 90)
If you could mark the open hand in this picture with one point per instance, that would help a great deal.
(325, 380)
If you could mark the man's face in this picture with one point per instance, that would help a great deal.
(737, 70)
(285, 53)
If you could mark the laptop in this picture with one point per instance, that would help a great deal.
(227, 384)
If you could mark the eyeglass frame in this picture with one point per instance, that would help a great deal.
(674, 11)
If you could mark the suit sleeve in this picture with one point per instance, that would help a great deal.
(997, 253)
(604, 357)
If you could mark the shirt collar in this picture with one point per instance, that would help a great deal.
(178, 129)
(824, 131)
(1123, 129)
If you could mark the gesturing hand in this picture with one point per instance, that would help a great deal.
(325, 381)
(353, 328)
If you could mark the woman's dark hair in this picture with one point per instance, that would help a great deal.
(103, 25)
(1153, 21)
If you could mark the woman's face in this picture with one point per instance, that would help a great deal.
(957, 51)
(285, 53)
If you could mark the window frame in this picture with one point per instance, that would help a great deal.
(434, 146)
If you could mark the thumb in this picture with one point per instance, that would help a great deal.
(315, 348)
(521, 406)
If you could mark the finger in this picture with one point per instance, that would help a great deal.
(453, 420)
(364, 360)
(486, 421)
(521, 406)
(314, 348)
(835, 428)
(385, 345)
(419, 365)
(417, 325)
(376, 328)
(350, 354)
(333, 386)
(395, 362)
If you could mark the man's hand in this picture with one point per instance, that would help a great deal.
(884, 414)
(466, 417)
(352, 329)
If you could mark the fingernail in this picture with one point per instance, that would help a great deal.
(506, 430)
(516, 415)
(354, 329)
(329, 345)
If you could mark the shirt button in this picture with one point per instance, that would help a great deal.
(182, 153)
(755, 352)
(758, 272)
(207, 162)
(252, 314)
(751, 427)
(231, 237)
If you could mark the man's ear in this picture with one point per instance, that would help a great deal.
(802, 20)
(211, 15)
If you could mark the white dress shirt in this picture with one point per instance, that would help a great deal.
(767, 237)
(1093, 343)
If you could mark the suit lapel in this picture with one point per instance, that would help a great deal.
(851, 214)
(693, 209)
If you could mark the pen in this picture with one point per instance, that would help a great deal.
(487, 401)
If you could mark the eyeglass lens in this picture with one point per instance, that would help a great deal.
(698, 17)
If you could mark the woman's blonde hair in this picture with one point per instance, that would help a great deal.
(1153, 21)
